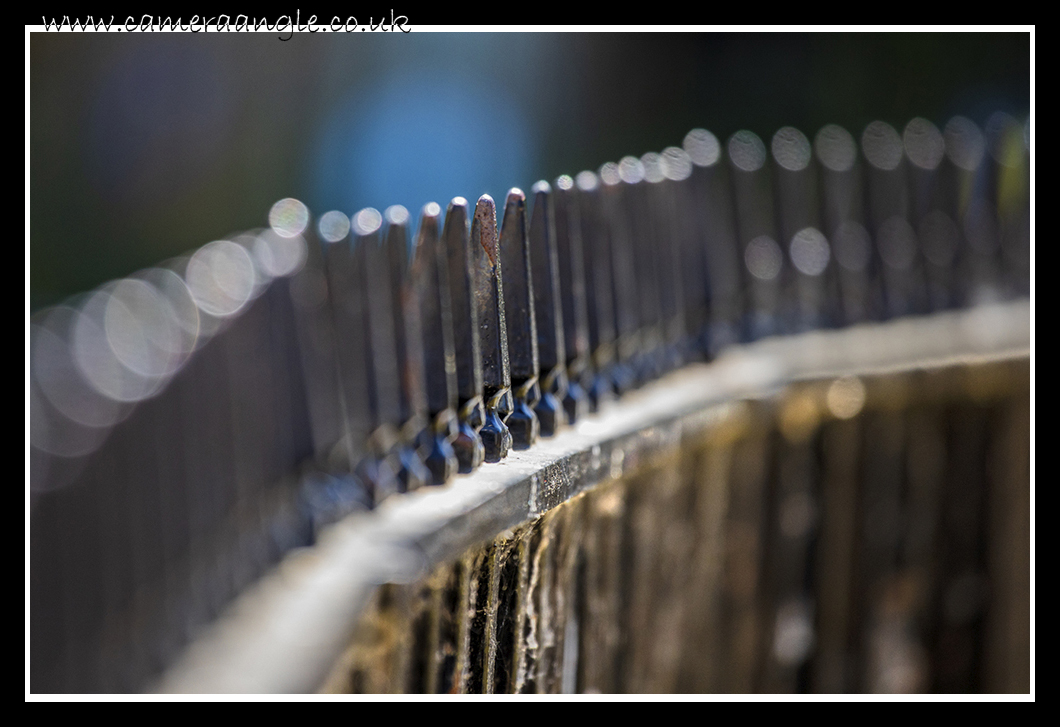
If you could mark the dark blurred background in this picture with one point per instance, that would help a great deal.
(144, 146)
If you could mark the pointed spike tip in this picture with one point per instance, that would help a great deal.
(631, 170)
(676, 163)
(396, 215)
(542, 187)
(289, 217)
(333, 226)
(587, 181)
(703, 147)
(609, 174)
(485, 225)
(367, 221)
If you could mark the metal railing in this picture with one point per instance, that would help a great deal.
(810, 511)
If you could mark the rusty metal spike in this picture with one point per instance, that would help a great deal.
(663, 222)
(596, 248)
(381, 466)
(611, 217)
(430, 280)
(967, 166)
(467, 346)
(548, 311)
(488, 295)
(344, 284)
(689, 253)
(520, 321)
(309, 292)
(843, 192)
(761, 255)
(632, 214)
(713, 210)
(405, 306)
(899, 270)
(936, 230)
(805, 246)
(571, 287)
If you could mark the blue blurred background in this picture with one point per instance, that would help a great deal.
(144, 146)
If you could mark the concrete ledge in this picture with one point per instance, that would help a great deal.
(284, 633)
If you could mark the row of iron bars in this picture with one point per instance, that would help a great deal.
(280, 379)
